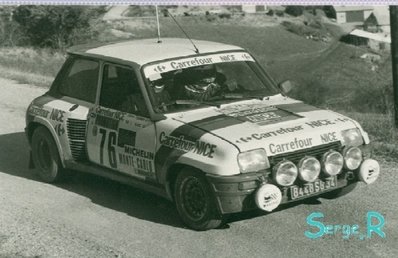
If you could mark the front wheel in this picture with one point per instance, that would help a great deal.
(45, 156)
(195, 202)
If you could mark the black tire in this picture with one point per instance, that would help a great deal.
(195, 201)
(45, 156)
(339, 192)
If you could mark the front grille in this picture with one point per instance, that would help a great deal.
(316, 152)
(77, 138)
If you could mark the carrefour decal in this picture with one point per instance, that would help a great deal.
(264, 135)
(38, 111)
(180, 143)
(59, 129)
(57, 115)
(290, 146)
(195, 61)
(112, 114)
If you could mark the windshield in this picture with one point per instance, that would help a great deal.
(188, 83)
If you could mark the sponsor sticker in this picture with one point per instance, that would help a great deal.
(290, 146)
(180, 143)
(369, 171)
(264, 135)
(268, 197)
(195, 61)
(326, 122)
(57, 115)
(329, 137)
(258, 113)
(38, 111)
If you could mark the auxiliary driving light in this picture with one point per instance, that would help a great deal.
(285, 173)
(309, 169)
(352, 157)
(332, 163)
(369, 171)
(268, 197)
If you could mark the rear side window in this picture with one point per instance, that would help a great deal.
(80, 80)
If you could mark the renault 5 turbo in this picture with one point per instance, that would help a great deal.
(200, 124)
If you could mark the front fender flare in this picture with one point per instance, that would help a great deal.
(43, 122)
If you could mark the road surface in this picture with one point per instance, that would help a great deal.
(92, 217)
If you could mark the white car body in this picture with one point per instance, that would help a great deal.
(147, 151)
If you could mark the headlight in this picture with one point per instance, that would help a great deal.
(253, 160)
(352, 137)
(332, 163)
(352, 157)
(285, 173)
(309, 169)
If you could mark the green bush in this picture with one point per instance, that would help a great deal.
(55, 26)
(294, 10)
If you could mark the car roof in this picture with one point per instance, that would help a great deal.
(145, 51)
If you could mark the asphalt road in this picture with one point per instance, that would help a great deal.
(93, 217)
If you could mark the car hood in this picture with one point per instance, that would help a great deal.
(278, 124)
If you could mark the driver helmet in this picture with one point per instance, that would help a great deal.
(158, 86)
(203, 85)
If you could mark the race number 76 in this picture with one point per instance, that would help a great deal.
(111, 147)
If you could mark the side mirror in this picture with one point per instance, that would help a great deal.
(286, 86)
(157, 117)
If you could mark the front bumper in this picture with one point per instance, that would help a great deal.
(237, 193)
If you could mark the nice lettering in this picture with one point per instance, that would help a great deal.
(205, 149)
(320, 123)
(57, 115)
(329, 137)
(180, 143)
(227, 58)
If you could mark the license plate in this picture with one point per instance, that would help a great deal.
(313, 188)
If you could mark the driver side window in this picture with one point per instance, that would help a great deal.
(120, 90)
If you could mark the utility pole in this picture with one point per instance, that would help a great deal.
(394, 56)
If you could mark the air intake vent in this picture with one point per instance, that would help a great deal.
(77, 138)
(316, 151)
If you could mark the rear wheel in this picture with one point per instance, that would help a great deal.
(195, 201)
(339, 192)
(45, 156)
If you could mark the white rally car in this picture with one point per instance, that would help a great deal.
(203, 125)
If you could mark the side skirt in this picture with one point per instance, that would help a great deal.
(94, 169)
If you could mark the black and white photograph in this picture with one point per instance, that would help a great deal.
(198, 129)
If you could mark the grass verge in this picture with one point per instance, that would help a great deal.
(28, 65)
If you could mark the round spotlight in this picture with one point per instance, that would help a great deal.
(352, 158)
(332, 163)
(285, 173)
(309, 169)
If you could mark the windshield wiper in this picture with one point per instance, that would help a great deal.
(237, 96)
(195, 102)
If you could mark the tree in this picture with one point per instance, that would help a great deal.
(294, 10)
(53, 26)
(10, 31)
